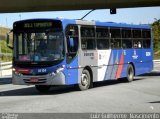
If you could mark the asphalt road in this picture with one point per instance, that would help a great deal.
(141, 95)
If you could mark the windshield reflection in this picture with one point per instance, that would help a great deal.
(39, 47)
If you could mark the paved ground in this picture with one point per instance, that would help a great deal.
(141, 95)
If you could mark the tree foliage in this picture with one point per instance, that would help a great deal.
(156, 35)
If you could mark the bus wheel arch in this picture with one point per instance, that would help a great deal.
(133, 67)
(90, 71)
(86, 81)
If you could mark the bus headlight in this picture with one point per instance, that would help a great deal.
(60, 69)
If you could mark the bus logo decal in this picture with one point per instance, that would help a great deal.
(135, 56)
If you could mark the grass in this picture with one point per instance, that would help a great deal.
(3, 32)
(157, 57)
(4, 49)
(3, 46)
(6, 58)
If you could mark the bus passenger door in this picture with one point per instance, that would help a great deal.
(71, 56)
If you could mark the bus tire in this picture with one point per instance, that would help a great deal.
(130, 73)
(86, 81)
(43, 88)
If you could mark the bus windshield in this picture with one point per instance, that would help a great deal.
(38, 46)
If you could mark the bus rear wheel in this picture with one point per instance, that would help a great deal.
(130, 73)
(86, 81)
(43, 88)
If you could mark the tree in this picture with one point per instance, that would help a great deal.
(156, 35)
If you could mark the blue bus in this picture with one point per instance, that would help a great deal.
(49, 52)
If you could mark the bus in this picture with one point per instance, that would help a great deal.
(49, 52)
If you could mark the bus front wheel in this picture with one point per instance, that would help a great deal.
(86, 81)
(42, 88)
(130, 73)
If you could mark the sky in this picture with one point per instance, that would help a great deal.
(145, 15)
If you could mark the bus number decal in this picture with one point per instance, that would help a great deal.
(88, 54)
(42, 70)
(148, 53)
(91, 55)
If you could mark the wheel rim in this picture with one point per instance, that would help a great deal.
(85, 80)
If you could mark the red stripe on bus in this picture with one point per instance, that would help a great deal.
(120, 66)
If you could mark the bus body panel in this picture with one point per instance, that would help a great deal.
(72, 72)
(88, 58)
(103, 61)
(147, 60)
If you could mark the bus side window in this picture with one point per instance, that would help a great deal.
(146, 34)
(126, 38)
(137, 43)
(115, 38)
(88, 38)
(146, 43)
(102, 38)
(137, 38)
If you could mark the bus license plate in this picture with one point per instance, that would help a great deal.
(34, 80)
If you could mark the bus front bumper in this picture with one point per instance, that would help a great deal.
(48, 79)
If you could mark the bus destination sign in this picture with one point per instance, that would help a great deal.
(38, 25)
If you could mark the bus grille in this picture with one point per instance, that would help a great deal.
(38, 82)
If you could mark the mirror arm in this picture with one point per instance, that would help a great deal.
(8, 39)
(10, 31)
(10, 47)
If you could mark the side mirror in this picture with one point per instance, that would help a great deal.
(8, 40)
